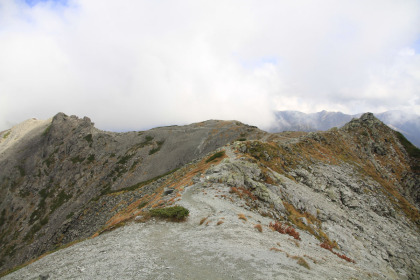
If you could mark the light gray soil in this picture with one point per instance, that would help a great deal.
(165, 250)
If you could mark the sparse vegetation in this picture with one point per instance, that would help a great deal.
(7, 134)
(215, 156)
(91, 158)
(328, 247)
(276, 249)
(157, 149)
(258, 227)
(243, 193)
(2, 217)
(203, 220)
(141, 205)
(301, 261)
(219, 223)
(140, 184)
(242, 217)
(88, 138)
(47, 130)
(21, 170)
(44, 221)
(412, 150)
(174, 213)
(34, 229)
(283, 229)
(124, 159)
(59, 200)
(77, 159)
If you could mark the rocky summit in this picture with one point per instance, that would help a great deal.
(210, 200)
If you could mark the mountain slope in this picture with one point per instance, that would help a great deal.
(338, 204)
(53, 171)
(408, 124)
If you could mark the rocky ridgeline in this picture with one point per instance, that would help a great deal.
(351, 191)
(54, 175)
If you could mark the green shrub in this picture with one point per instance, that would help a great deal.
(7, 134)
(412, 150)
(21, 171)
(176, 213)
(34, 229)
(2, 217)
(154, 150)
(77, 159)
(44, 221)
(125, 159)
(47, 130)
(91, 158)
(216, 155)
(141, 205)
(88, 138)
(157, 149)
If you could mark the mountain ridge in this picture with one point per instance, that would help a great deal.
(408, 124)
(357, 186)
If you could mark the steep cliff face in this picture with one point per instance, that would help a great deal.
(345, 200)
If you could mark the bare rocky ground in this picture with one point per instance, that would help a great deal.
(215, 243)
(354, 190)
(166, 250)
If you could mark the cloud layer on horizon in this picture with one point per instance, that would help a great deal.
(140, 64)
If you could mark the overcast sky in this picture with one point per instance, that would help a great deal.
(137, 64)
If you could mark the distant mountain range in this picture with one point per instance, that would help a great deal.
(406, 123)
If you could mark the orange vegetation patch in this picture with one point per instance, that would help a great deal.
(313, 227)
(283, 229)
(330, 248)
(276, 249)
(242, 217)
(242, 192)
(258, 227)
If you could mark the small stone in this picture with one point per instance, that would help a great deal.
(44, 276)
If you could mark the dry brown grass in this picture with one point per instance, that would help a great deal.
(295, 242)
(276, 249)
(219, 223)
(243, 193)
(311, 258)
(301, 261)
(258, 227)
(203, 220)
(341, 256)
(242, 217)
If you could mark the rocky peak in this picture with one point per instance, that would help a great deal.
(367, 120)
(63, 121)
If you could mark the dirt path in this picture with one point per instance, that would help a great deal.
(222, 247)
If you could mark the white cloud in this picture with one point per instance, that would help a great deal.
(139, 64)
